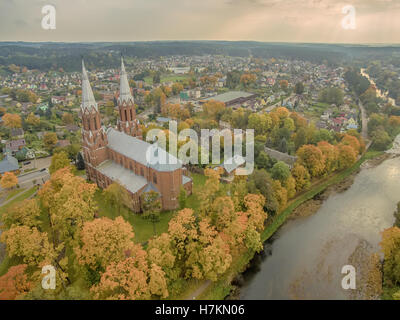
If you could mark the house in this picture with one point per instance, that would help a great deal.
(8, 164)
(17, 133)
(63, 143)
(233, 98)
(119, 154)
(14, 145)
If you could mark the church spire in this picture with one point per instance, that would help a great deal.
(88, 101)
(124, 89)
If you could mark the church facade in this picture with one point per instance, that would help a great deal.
(120, 154)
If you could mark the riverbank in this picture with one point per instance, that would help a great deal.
(222, 288)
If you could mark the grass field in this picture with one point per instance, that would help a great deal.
(143, 228)
(23, 195)
(167, 78)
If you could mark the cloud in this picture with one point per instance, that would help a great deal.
(263, 20)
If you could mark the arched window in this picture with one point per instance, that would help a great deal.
(126, 116)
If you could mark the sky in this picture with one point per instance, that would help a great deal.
(376, 21)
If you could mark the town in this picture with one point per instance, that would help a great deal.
(81, 195)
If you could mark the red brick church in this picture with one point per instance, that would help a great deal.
(120, 155)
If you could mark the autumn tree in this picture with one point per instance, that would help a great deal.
(103, 241)
(160, 251)
(390, 246)
(346, 157)
(311, 158)
(67, 118)
(8, 180)
(14, 284)
(212, 108)
(330, 154)
(123, 280)
(12, 120)
(210, 190)
(33, 120)
(29, 244)
(69, 202)
(116, 196)
(302, 177)
(353, 142)
(58, 161)
(24, 213)
(50, 139)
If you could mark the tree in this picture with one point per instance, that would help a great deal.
(103, 241)
(69, 202)
(177, 87)
(151, 207)
(347, 156)
(8, 180)
(80, 162)
(284, 84)
(14, 284)
(58, 161)
(50, 140)
(352, 142)
(299, 88)
(390, 245)
(24, 213)
(33, 120)
(29, 244)
(182, 197)
(302, 177)
(330, 153)
(67, 118)
(312, 158)
(280, 171)
(116, 196)
(162, 253)
(261, 182)
(380, 139)
(12, 120)
(124, 280)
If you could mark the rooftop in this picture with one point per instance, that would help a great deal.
(231, 95)
(143, 152)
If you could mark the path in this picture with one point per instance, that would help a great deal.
(364, 122)
(194, 295)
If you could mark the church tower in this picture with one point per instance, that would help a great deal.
(94, 137)
(127, 121)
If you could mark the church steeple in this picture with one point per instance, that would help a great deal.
(94, 138)
(88, 101)
(127, 121)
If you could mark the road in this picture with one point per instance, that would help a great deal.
(29, 179)
(278, 104)
(364, 122)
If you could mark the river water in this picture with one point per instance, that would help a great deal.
(305, 258)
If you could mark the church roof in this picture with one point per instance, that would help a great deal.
(150, 155)
(124, 90)
(88, 101)
(123, 176)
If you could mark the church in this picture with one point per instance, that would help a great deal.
(120, 154)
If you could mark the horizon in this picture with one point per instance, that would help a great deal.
(288, 21)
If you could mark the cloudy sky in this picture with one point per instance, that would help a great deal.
(377, 21)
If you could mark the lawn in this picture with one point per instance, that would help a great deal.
(198, 182)
(167, 78)
(142, 227)
(24, 195)
(13, 193)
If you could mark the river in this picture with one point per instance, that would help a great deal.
(305, 257)
(379, 93)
